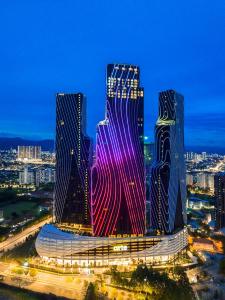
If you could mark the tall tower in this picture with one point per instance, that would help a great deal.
(118, 182)
(168, 184)
(73, 152)
(149, 157)
(219, 186)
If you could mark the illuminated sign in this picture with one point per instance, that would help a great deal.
(120, 248)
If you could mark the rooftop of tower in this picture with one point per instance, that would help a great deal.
(69, 94)
(170, 91)
(123, 67)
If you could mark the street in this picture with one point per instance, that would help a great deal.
(11, 242)
(72, 287)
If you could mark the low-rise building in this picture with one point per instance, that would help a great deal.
(201, 244)
(63, 248)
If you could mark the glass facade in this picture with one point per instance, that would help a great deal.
(219, 186)
(73, 158)
(118, 177)
(168, 183)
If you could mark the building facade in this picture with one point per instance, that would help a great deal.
(219, 186)
(26, 153)
(73, 154)
(168, 181)
(45, 175)
(189, 179)
(27, 176)
(204, 180)
(118, 179)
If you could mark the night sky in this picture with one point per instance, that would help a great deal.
(50, 46)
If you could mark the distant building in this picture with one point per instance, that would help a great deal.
(189, 179)
(219, 185)
(193, 225)
(201, 244)
(48, 156)
(47, 206)
(211, 182)
(204, 155)
(36, 176)
(201, 180)
(189, 156)
(208, 218)
(205, 180)
(149, 156)
(26, 176)
(45, 175)
(26, 153)
(1, 216)
(198, 204)
(196, 157)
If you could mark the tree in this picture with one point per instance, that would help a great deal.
(113, 293)
(14, 215)
(69, 279)
(85, 284)
(91, 292)
(216, 295)
(33, 272)
(18, 271)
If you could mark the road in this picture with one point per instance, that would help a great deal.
(71, 287)
(11, 242)
(219, 167)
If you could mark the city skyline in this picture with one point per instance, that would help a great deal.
(179, 65)
(120, 232)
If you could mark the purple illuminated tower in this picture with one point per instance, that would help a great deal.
(118, 181)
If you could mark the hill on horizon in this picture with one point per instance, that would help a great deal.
(7, 143)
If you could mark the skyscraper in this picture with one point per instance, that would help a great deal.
(73, 152)
(168, 184)
(118, 189)
(219, 187)
(149, 157)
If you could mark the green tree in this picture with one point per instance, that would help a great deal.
(33, 272)
(91, 292)
(14, 215)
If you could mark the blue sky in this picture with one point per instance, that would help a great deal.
(50, 46)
